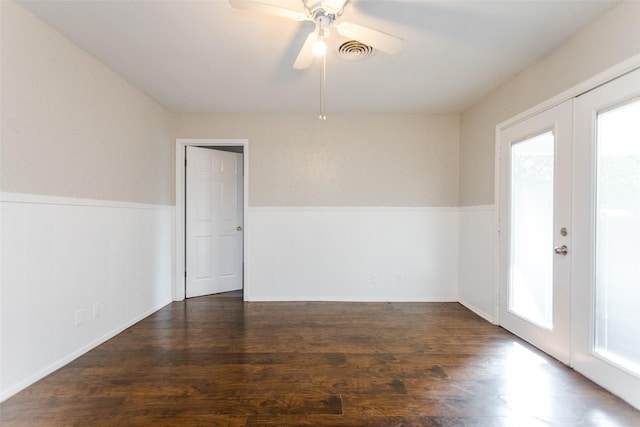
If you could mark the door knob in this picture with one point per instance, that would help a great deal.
(239, 228)
(561, 250)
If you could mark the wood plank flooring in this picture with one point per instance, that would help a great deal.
(219, 361)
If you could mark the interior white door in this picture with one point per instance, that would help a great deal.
(606, 273)
(535, 214)
(214, 242)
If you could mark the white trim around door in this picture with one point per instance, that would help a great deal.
(178, 292)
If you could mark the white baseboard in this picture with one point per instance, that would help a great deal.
(486, 316)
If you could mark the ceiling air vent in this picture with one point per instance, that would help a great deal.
(355, 51)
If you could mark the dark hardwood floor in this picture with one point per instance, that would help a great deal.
(218, 361)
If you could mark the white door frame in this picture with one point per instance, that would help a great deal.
(178, 292)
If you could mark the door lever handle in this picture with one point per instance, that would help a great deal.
(561, 250)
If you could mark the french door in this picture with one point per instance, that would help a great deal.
(606, 271)
(535, 229)
(569, 193)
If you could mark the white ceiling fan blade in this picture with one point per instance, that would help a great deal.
(374, 38)
(333, 6)
(305, 57)
(258, 6)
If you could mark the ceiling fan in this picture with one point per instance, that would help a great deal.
(324, 14)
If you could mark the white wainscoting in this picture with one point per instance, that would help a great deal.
(476, 287)
(352, 254)
(104, 264)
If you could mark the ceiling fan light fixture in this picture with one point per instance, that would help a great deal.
(319, 47)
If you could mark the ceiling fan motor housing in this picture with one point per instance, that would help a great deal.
(329, 8)
(322, 24)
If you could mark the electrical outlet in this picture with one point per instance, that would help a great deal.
(96, 310)
(375, 279)
(80, 316)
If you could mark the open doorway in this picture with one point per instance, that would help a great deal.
(226, 148)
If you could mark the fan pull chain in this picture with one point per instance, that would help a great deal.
(323, 85)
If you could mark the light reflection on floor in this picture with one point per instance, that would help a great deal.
(527, 384)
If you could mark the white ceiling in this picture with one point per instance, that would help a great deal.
(206, 57)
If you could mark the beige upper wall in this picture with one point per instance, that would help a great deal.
(73, 128)
(604, 43)
(298, 160)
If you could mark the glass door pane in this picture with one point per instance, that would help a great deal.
(532, 214)
(617, 236)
